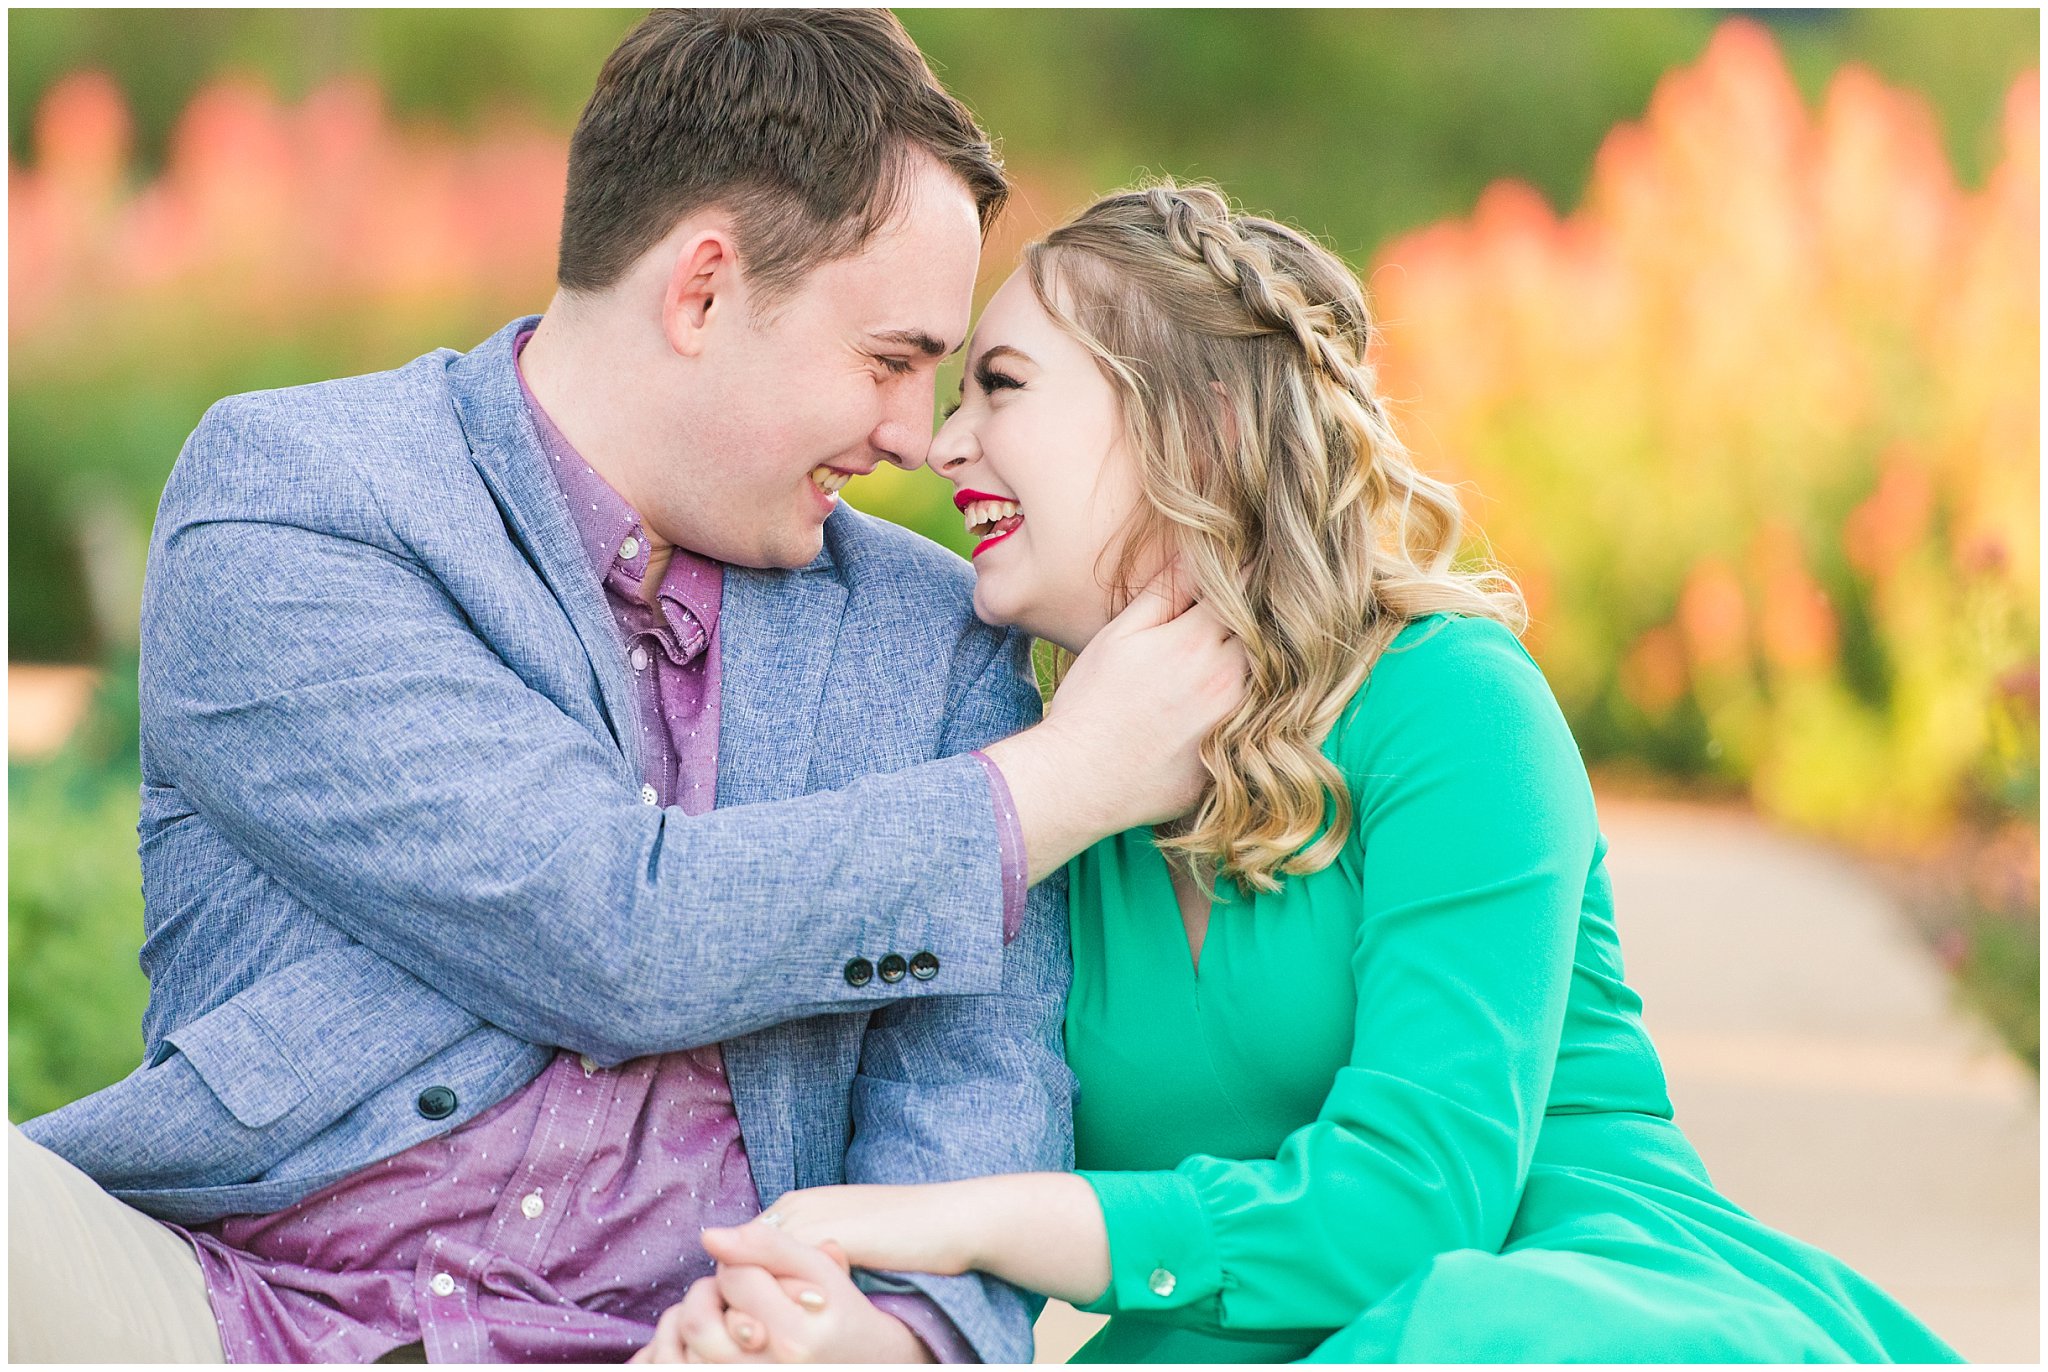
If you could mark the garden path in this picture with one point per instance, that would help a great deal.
(1818, 1060)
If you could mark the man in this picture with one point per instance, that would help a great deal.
(563, 825)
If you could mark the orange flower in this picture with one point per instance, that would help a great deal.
(1893, 519)
(83, 136)
(1712, 618)
(1653, 674)
(1797, 624)
(1753, 311)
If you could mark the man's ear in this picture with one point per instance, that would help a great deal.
(703, 287)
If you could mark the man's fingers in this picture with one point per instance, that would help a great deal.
(764, 1316)
(763, 1245)
(758, 1294)
(1162, 598)
(667, 1343)
(699, 1320)
(1199, 618)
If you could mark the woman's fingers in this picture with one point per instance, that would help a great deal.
(764, 1245)
(696, 1328)
(747, 1332)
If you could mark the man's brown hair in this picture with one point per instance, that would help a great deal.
(799, 122)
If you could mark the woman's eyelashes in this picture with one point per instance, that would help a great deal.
(990, 381)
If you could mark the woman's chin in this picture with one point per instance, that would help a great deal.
(990, 608)
(1001, 611)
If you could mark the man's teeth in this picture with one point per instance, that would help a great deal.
(983, 515)
(829, 481)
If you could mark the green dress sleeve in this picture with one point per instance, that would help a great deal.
(1477, 832)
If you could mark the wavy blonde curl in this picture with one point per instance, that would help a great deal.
(1239, 349)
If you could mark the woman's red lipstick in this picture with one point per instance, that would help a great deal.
(962, 499)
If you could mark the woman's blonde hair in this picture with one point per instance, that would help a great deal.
(1239, 350)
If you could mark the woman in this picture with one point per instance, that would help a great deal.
(1359, 1075)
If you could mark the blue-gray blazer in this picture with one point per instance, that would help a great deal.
(392, 836)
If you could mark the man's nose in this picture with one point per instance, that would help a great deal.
(905, 433)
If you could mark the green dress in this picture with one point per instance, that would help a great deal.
(1405, 1109)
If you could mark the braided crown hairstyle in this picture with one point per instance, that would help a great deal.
(1239, 351)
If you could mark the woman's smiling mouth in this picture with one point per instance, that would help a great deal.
(990, 518)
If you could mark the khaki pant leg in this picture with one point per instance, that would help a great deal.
(91, 1280)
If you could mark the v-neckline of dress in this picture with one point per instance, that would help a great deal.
(1185, 955)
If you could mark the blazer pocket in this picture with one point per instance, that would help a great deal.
(329, 1029)
(235, 1055)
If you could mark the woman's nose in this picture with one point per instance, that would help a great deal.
(953, 446)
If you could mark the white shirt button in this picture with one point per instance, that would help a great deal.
(638, 657)
(442, 1284)
(1162, 1283)
(531, 1206)
(648, 795)
(630, 549)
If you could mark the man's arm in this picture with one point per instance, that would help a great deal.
(327, 705)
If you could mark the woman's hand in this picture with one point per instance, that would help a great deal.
(927, 1228)
(1040, 1230)
(774, 1299)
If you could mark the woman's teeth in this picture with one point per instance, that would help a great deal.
(983, 515)
(828, 480)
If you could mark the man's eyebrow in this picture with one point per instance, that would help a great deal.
(915, 338)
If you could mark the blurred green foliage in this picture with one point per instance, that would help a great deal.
(2001, 976)
(75, 992)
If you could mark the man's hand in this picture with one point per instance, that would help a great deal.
(1121, 743)
(776, 1299)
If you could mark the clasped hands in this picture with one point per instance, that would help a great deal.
(784, 1289)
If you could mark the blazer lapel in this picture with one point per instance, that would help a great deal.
(507, 453)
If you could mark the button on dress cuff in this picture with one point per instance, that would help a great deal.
(922, 1316)
(1009, 843)
(1162, 1253)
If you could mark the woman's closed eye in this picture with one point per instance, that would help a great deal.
(990, 381)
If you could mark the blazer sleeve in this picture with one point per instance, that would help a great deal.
(324, 702)
(1477, 832)
(971, 1086)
